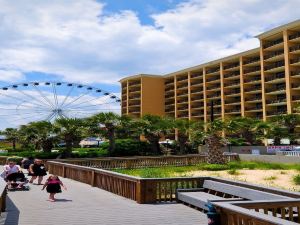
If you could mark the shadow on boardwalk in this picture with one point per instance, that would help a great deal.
(11, 216)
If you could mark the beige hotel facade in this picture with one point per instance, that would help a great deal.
(261, 83)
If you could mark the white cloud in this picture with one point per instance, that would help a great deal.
(76, 41)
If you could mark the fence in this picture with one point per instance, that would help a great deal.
(290, 153)
(141, 162)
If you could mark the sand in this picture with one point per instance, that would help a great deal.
(272, 178)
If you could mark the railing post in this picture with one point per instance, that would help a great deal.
(93, 178)
(145, 191)
(63, 172)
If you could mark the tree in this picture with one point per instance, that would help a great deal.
(11, 134)
(276, 132)
(110, 122)
(43, 134)
(70, 130)
(183, 127)
(288, 121)
(153, 128)
(249, 129)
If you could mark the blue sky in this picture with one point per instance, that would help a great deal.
(99, 42)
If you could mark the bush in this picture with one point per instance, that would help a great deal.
(296, 179)
(213, 167)
(129, 147)
(233, 172)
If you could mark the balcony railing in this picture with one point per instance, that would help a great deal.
(237, 73)
(196, 83)
(276, 101)
(275, 65)
(274, 54)
(294, 36)
(231, 84)
(253, 108)
(295, 73)
(253, 99)
(256, 78)
(272, 43)
(197, 90)
(275, 77)
(169, 89)
(232, 65)
(232, 92)
(294, 48)
(182, 94)
(182, 86)
(183, 107)
(254, 69)
(196, 75)
(252, 60)
(275, 89)
(212, 87)
(181, 79)
(280, 112)
(169, 96)
(232, 110)
(233, 101)
(214, 96)
(255, 88)
(135, 83)
(296, 60)
(184, 100)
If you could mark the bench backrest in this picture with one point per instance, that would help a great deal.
(241, 192)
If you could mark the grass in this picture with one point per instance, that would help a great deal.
(232, 167)
(270, 178)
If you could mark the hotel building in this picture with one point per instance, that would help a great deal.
(261, 83)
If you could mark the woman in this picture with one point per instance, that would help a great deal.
(11, 173)
(37, 170)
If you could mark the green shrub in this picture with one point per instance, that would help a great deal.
(270, 178)
(213, 167)
(296, 179)
(233, 172)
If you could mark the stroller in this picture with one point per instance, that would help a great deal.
(18, 181)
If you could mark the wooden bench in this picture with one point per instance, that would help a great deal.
(213, 191)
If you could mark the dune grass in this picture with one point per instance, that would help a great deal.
(181, 171)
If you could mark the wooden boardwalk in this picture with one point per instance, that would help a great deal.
(83, 204)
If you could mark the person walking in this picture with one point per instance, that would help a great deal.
(37, 170)
(53, 186)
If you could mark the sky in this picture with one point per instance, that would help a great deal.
(99, 42)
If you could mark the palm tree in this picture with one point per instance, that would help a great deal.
(70, 130)
(11, 134)
(110, 122)
(290, 122)
(276, 132)
(183, 127)
(249, 129)
(153, 128)
(43, 135)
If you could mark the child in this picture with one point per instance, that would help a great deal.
(37, 169)
(53, 185)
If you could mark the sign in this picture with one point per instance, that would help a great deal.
(255, 152)
(274, 149)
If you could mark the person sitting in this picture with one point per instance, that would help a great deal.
(11, 173)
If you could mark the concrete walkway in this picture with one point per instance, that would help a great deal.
(81, 204)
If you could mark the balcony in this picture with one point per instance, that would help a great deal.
(169, 96)
(232, 66)
(253, 100)
(182, 94)
(169, 110)
(215, 70)
(253, 109)
(232, 93)
(214, 96)
(213, 79)
(276, 102)
(213, 87)
(169, 89)
(182, 87)
(273, 66)
(296, 86)
(274, 43)
(199, 90)
(196, 83)
(295, 73)
(200, 76)
(137, 83)
(253, 79)
(197, 114)
(169, 103)
(252, 61)
(233, 74)
(295, 49)
(296, 98)
(294, 36)
(197, 106)
(295, 61)
(277, 77)
(255, 88)
(134, 96)
(276, 113)
(183, 115)
(278, 90)
(276, 55)
(182, 108)
(198, 98)
(253, 70)
(233, 111)
(232, 84)
(181, 79)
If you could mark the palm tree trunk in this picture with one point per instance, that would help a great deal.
(215, 155)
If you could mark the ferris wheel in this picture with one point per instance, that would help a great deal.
(34, 101)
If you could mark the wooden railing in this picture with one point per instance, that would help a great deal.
(231, 214)
(141, 162)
